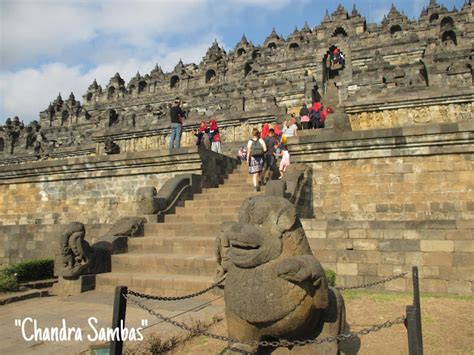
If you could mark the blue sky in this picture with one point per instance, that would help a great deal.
(51, 46)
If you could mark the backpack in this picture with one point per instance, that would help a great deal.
(316, 116)
(257, 148)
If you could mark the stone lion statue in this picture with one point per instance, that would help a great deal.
(275, 288)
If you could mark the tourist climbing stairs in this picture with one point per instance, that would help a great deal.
(177, 257)
(331, 98)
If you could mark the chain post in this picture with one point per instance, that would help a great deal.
(412, 320)
(411, 324)
(118, 318)
(417, 306)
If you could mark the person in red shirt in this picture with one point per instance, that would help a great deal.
(200, 132)
(215, 137)
(265, 129)
(324, 115)
(277, 130)
(315, 114)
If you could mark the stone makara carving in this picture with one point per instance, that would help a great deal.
(148, 203)
(78, 257)
(275, 287)
(127, 226)
(116, 239)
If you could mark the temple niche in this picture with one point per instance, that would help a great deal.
(210, 76)
(400, 58)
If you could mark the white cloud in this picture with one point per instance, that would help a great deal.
(28, 91)
(272, 4)
(31, 28)
(49, 46)
(49, 29)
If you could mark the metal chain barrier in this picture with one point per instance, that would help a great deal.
(176, 298)
(375, 283)
(278, 343)
(218, 283)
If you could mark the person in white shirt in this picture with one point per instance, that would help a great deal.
(291, 129)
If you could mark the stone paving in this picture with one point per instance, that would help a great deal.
(76, 310)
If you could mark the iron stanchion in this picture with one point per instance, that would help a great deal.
(413, 319)
(118, 319)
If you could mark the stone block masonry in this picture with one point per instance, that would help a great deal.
(442, 250)
(92, 190)
(33, 241)
(387, 200)
(38, 199)
(383, 200)
(418, 173)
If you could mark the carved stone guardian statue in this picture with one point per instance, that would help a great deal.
(275, 288)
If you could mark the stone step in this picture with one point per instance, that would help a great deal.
(224, 189)
(236, 196)
(170, 245)
(184, 226)
(177, 257)
(185, 234)
(212, 203)
(153, 284)
(242, 173)
(238, 182)
(200, 218)
(178, 264)
(246, 182)
(205, 209)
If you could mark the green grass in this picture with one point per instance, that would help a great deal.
(386, 296)
(376, 296)
(330, 276)
(31, 270)
(7, 282)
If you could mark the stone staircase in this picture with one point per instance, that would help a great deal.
(332, 96)
(339, 119)
(177, 257)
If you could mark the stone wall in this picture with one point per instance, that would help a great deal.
(387, 200)
(91, 190)
(424, 173)
(38, 199)
(412, 116)
(33, 241)
(366, 251)
(433, 187)
(230, 131)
